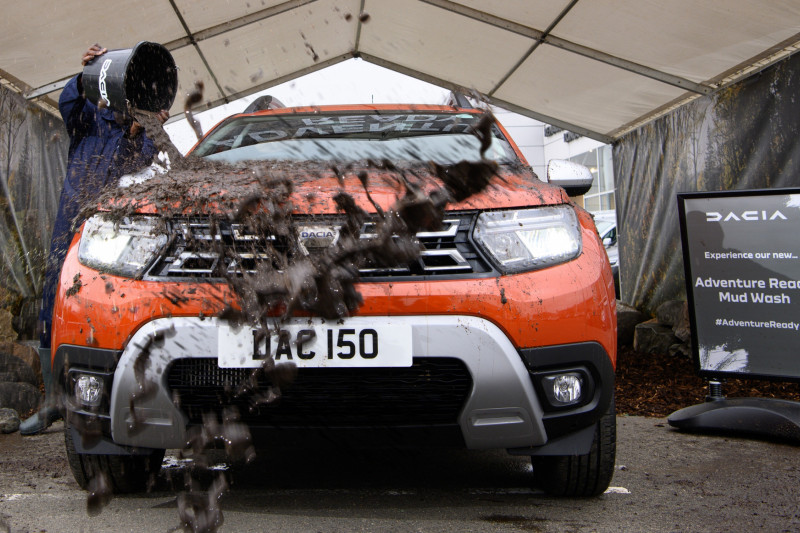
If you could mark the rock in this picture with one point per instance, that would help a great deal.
(26, 321)
(9, 420)
(651, 337)
(24, 398)
(682, 326)
(7, 332)
(683, 332)
(673, 312)
(681, 350)
(15, 370)
(627, 318)
(28, 354)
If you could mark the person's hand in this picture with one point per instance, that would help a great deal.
(162, 115)
(135, 129)
(93, 51)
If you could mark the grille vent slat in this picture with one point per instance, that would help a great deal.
(432, 391)
(194, 250)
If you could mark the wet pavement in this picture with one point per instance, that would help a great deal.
(665, 481)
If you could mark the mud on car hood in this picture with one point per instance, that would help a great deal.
(215, 188)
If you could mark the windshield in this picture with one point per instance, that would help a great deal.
(354, 136)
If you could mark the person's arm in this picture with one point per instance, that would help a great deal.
(72, 104)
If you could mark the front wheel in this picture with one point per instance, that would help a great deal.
(126, 473)
(581, 475)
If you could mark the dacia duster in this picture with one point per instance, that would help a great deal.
(499, 333)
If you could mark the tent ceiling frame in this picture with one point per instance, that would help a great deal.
(193, 42)
(19, 86)
(546, 38)
(277, 81)
(535, 45)
(234, 24)
(191, 39)
(750, 67)
(693, 89)
(357, 40)
(490, 99)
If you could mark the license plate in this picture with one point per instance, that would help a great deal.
(353, 343)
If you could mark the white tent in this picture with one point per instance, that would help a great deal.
(596, 67)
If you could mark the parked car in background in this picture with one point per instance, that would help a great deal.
(607, 229)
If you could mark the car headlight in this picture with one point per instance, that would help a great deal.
(527, 239)
(125, 248)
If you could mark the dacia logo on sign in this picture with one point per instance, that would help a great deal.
(745, 216)
(317, 237)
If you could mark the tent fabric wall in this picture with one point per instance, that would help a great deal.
(33, 157)
(743, 137)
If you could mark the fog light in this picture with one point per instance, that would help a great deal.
(89, 390)
(566, 389)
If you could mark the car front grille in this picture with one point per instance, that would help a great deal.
(430, 392)
(194, 250)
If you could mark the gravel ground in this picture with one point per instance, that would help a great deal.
(665, 481)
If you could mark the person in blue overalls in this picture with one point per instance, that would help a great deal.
(103, 146)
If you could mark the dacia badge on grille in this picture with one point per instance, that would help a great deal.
(316, 238)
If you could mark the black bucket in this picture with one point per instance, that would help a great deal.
(144, 77)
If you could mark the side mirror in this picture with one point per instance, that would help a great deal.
(607, 242)
(574, 178)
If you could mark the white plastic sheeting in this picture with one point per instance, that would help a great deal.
(596, 67)
(33, 157)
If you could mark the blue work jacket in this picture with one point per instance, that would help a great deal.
(100, 152)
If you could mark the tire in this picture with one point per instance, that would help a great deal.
(126, 473)
(581, 475)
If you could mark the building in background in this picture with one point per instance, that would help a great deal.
(540, 143)
(596, 156)
(529, 136)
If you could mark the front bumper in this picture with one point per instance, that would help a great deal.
(502, 410)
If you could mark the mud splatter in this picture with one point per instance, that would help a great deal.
(100, 494)
(145, 388)
(309, 48)
(76, 286)
(232, 434)
(199, 511)
(312, 52)
(280, 377)
(194, 98)
(259, 196)
(257, 75)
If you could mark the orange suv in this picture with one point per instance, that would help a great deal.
(500, 332)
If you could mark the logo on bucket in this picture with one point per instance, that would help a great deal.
(102, 80)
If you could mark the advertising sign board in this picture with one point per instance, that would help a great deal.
(741, 252)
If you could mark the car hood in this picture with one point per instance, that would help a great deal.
(204, 187)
